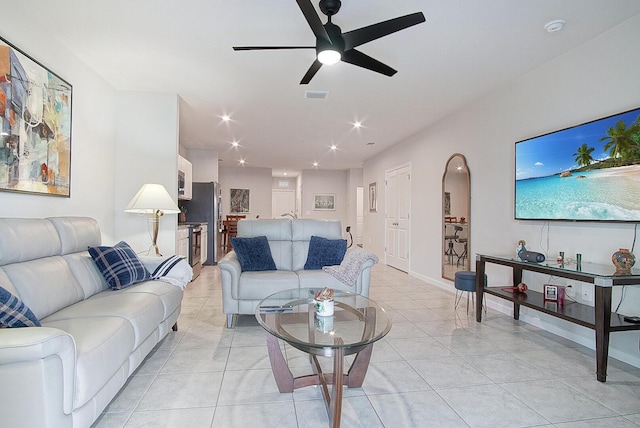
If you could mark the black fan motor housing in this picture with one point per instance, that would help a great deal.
(330, 7)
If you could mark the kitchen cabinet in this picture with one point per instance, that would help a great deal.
(203, 245)
(185, 179)
(182, 242)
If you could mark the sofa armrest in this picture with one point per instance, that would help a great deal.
(30, 353)
(230, 271)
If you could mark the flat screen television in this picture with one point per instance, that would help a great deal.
(589, 172)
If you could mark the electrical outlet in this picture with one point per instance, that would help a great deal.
(587, 294)
(571, 290)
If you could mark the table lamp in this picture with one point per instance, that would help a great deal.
(153, 199)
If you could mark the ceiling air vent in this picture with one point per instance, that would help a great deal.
(316, 95)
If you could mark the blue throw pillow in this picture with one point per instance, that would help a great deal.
(325, 252)
(253, 254)
(119, 265)
(14, 313)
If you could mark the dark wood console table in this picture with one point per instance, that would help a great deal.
(598, 317)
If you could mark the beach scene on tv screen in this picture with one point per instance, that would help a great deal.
(588, 172)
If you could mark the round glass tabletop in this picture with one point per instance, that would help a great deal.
(290, 315)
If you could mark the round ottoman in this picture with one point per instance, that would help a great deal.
(465, 280)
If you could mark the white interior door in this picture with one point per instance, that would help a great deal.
(397, 221)
(282, 201)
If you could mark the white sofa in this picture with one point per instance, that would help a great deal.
(92, 338)
(289, 244)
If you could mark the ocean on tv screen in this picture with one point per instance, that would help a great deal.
(608, 194)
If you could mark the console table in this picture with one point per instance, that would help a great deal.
(598, 317)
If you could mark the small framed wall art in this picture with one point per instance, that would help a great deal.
(373, 197)
(324, 202)
(239, 201)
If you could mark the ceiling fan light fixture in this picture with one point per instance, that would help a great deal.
(329, 56)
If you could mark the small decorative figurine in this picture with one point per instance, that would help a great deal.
(521, 248)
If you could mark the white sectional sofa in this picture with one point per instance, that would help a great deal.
(289, 244)
(92, 338)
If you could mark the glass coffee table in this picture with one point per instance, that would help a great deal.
(356, 324)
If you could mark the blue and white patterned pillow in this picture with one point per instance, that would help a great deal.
(119, 265)
(14, 313)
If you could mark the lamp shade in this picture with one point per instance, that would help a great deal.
(152, 197)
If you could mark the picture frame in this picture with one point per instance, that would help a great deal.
(373, 197)
(550, 292)
(239, 200)
(35, 126)
(324, 202)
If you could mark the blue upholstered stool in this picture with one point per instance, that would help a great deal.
(466, 281)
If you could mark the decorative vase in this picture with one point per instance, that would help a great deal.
(623, 260)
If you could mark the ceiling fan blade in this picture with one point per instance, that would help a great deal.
(356, 57)
(259, 48)
(311, 72)
(364, 35)
(313, 19)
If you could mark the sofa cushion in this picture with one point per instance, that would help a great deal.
(253, 254)
(325, 252)
(143, 311)
(14, 313)
(258, 285)
(103, 345)
(119, 265)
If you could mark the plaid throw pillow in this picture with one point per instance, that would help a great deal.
(14, 313)
(119, 265)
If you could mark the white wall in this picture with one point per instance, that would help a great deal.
(146, 152)
(257, 180)
(596, 79)
(322, 181)
(204, 163)
(93, 131)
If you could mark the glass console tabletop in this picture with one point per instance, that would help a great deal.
(357, 323)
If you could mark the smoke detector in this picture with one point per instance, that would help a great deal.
(554, 26)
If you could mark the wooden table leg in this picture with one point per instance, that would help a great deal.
(479, 288)
(517, 279)
(603, 327)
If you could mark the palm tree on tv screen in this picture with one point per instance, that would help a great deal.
(623, 142)
(583, 155)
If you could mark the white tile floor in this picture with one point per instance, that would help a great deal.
(436, 368)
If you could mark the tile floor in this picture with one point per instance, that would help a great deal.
(436, 368)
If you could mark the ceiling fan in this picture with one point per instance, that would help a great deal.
(332, 45)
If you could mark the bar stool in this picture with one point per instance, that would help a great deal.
(465, 280)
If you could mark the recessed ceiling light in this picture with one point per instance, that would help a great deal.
(235, 143)
(315, 164)
(357, 124)
(242, 161)
(554, 26)
(225, 118)
(285, 173)
(333, 147)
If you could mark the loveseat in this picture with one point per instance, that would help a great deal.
(288, 241)
(91, 339)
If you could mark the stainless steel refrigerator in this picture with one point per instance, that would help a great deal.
(204, 207)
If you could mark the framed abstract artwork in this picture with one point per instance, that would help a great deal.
(373, 197)
(239, 201)
(35, 128)
(324, 202)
